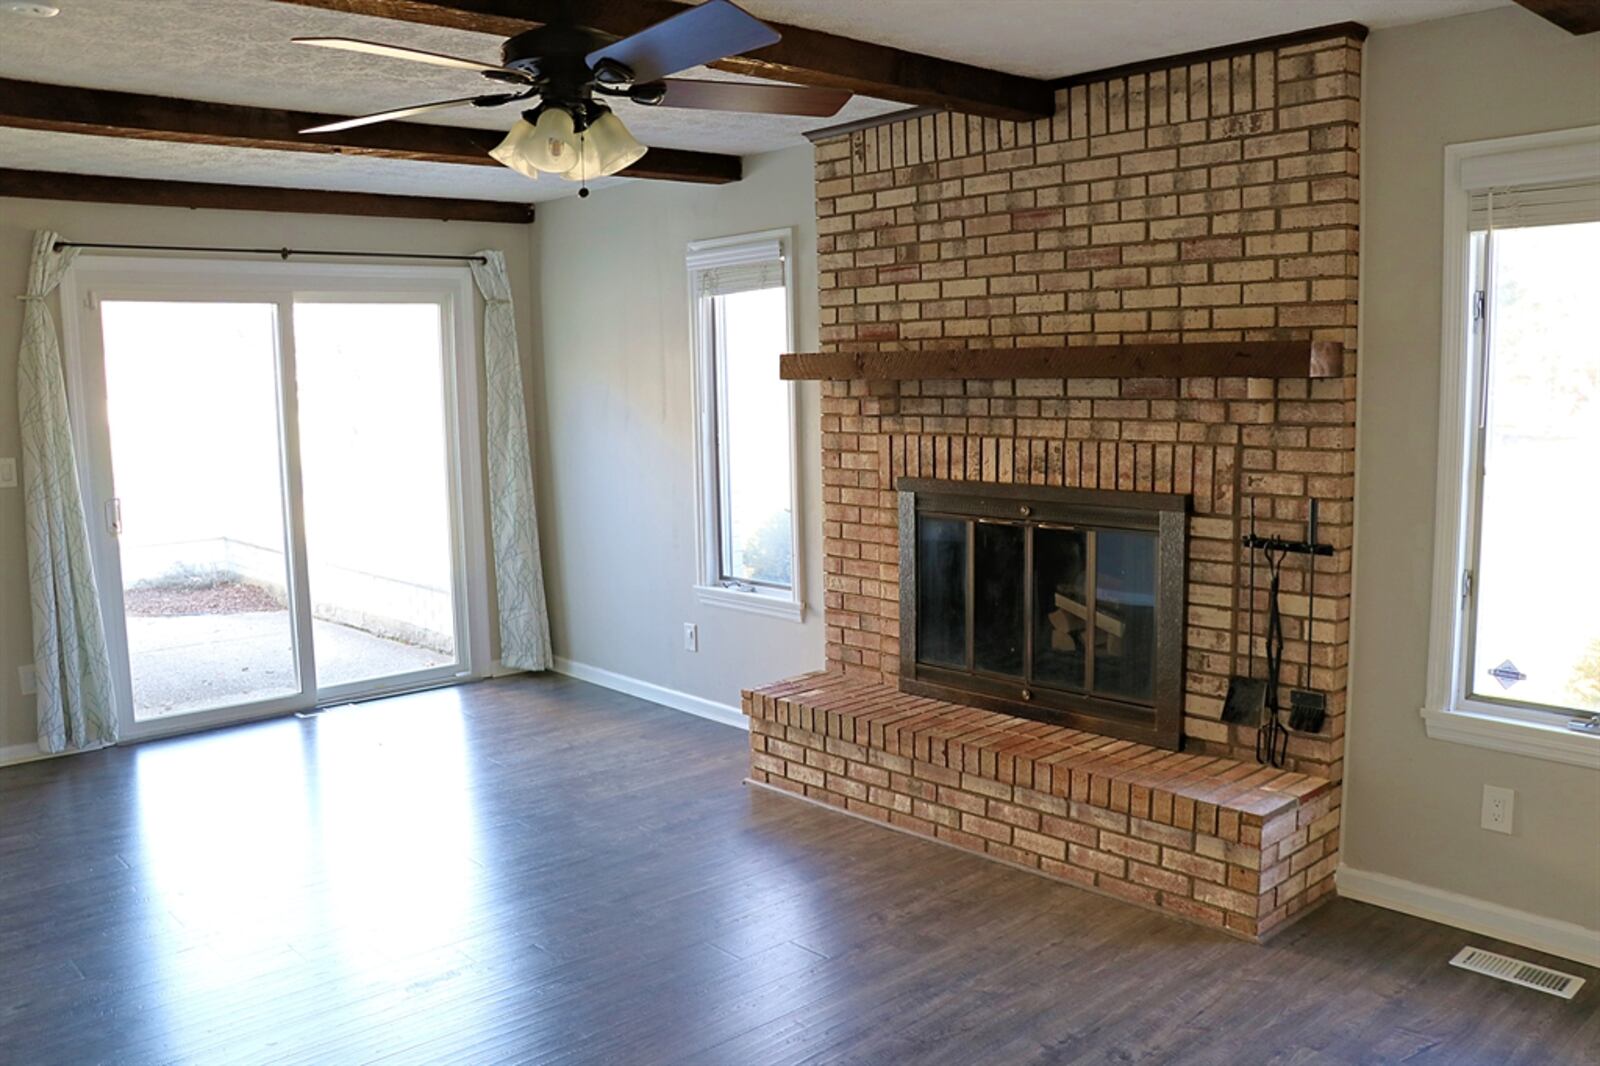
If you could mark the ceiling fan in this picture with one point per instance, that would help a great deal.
(572, 70)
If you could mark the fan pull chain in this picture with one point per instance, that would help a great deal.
(583, 176)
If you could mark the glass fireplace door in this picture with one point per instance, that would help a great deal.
(1048, 608)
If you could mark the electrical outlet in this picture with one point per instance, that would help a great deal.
(8, 473)
(691, 637)
(1498, 804)
(26, 680)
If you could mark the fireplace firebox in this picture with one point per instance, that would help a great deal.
(1062, 605)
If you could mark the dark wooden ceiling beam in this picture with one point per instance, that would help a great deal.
(68, 109)
(1574, 16)
(50, 185)
(804, 57)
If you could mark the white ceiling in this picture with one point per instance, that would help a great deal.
(238, 52)
(1054, 38)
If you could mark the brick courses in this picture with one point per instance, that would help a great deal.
(1210, 201)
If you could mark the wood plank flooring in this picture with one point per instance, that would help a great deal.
(536, 870)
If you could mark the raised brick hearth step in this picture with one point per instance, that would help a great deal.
(1229, 844)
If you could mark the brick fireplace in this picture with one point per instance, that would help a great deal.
(1203, 202)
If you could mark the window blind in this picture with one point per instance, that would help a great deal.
(723, 270)
(1534, 205)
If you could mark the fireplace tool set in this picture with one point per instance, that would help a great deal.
(1253, 700)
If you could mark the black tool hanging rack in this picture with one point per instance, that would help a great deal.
(1272, 736)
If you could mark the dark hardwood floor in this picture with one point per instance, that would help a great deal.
(537, 870)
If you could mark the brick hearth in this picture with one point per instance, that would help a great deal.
(1228, 844)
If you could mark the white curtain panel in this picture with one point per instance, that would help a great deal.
(519, 577)
(69, 643)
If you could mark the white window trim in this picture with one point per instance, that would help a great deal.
(775, 603)
(1448, 711)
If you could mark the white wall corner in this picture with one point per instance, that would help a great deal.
(1549, 935)
(645, 690)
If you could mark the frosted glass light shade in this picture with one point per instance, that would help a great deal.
(607, 147)
(613, 144)
(511, 152)
(550, 146)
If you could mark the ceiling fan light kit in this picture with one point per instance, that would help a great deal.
(605, 148)
(572, 134)
(549, 141)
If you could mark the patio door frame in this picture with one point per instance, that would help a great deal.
(93, 278)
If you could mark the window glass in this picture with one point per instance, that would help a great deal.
(1535, 635)
(756, 489)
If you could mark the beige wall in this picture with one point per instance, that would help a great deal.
(1412, 803)
(616, 439)
(122, 224)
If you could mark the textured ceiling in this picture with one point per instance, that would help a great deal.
(1054, 38)
(238, 51)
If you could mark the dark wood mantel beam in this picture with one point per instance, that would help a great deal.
(1202, 359)
(68, 109)
(804, 57)
(1574, 16)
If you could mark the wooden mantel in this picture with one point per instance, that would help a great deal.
(1243, 359)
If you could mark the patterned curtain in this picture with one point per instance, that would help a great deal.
(69, 642)
(519, 577)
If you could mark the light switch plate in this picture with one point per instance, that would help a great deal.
(26, 680)
(8, 473)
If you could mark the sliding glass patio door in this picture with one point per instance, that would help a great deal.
(275, 480)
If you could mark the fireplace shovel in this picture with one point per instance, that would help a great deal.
(1247, 696)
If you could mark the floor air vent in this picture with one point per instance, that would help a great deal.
(1518, 972)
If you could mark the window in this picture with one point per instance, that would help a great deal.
(1516, 638)
(742, 321)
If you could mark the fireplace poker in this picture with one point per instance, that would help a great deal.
(1308, 709)
(1272, 739)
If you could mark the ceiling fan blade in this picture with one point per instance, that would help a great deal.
(757, 99)
(350, 44)
(699, 35)
(420, 109)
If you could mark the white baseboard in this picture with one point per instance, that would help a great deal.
(17, 754)
(645, 690)
(1549, 935)
(21, 753)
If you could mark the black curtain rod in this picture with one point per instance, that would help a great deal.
(282, 253)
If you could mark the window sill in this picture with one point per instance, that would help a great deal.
(1553, 742)
(763, 603)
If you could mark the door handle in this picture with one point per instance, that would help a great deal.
(114, 516)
